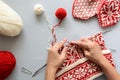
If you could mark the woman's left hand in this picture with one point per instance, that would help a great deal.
(55, 59)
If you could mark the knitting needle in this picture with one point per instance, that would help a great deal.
(26, 71)
(42, 66)
(112, 50)
(29, 72)
(107, 30)
(35, 73)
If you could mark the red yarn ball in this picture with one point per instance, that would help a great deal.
(61, 13)
(7, 64)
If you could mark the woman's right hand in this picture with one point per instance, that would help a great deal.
(91, 50)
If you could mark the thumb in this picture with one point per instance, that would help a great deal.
(86, 53)
(63, 53)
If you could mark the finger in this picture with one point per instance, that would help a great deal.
(81, 43)
(86, 53)
(60, 44)
(64, 51)
(83, 39)
(87, 40)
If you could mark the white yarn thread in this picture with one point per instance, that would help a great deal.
(39, 9)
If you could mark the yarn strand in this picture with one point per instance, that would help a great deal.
(60, 14)
(54, 33)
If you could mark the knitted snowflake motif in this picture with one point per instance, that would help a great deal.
(109, 13)
(77, 67)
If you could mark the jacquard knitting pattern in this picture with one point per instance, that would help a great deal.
(109, 13)
(84, 9)
(77, 67)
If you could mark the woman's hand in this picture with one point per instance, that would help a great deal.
(91, 50)
(55, 59)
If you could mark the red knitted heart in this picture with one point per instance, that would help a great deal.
(109, 13)
(7, 64)
(84, 9)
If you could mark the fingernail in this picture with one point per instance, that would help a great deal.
(72, 41)
(64, 39)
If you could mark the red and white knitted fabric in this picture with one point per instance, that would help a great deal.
(109, 13)
(84, 9)
(77, 67)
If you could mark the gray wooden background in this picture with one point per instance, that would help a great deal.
(30, 46)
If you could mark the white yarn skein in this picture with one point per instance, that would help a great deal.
(38, 9)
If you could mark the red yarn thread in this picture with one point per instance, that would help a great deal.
(60, 14)
(7, 64)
